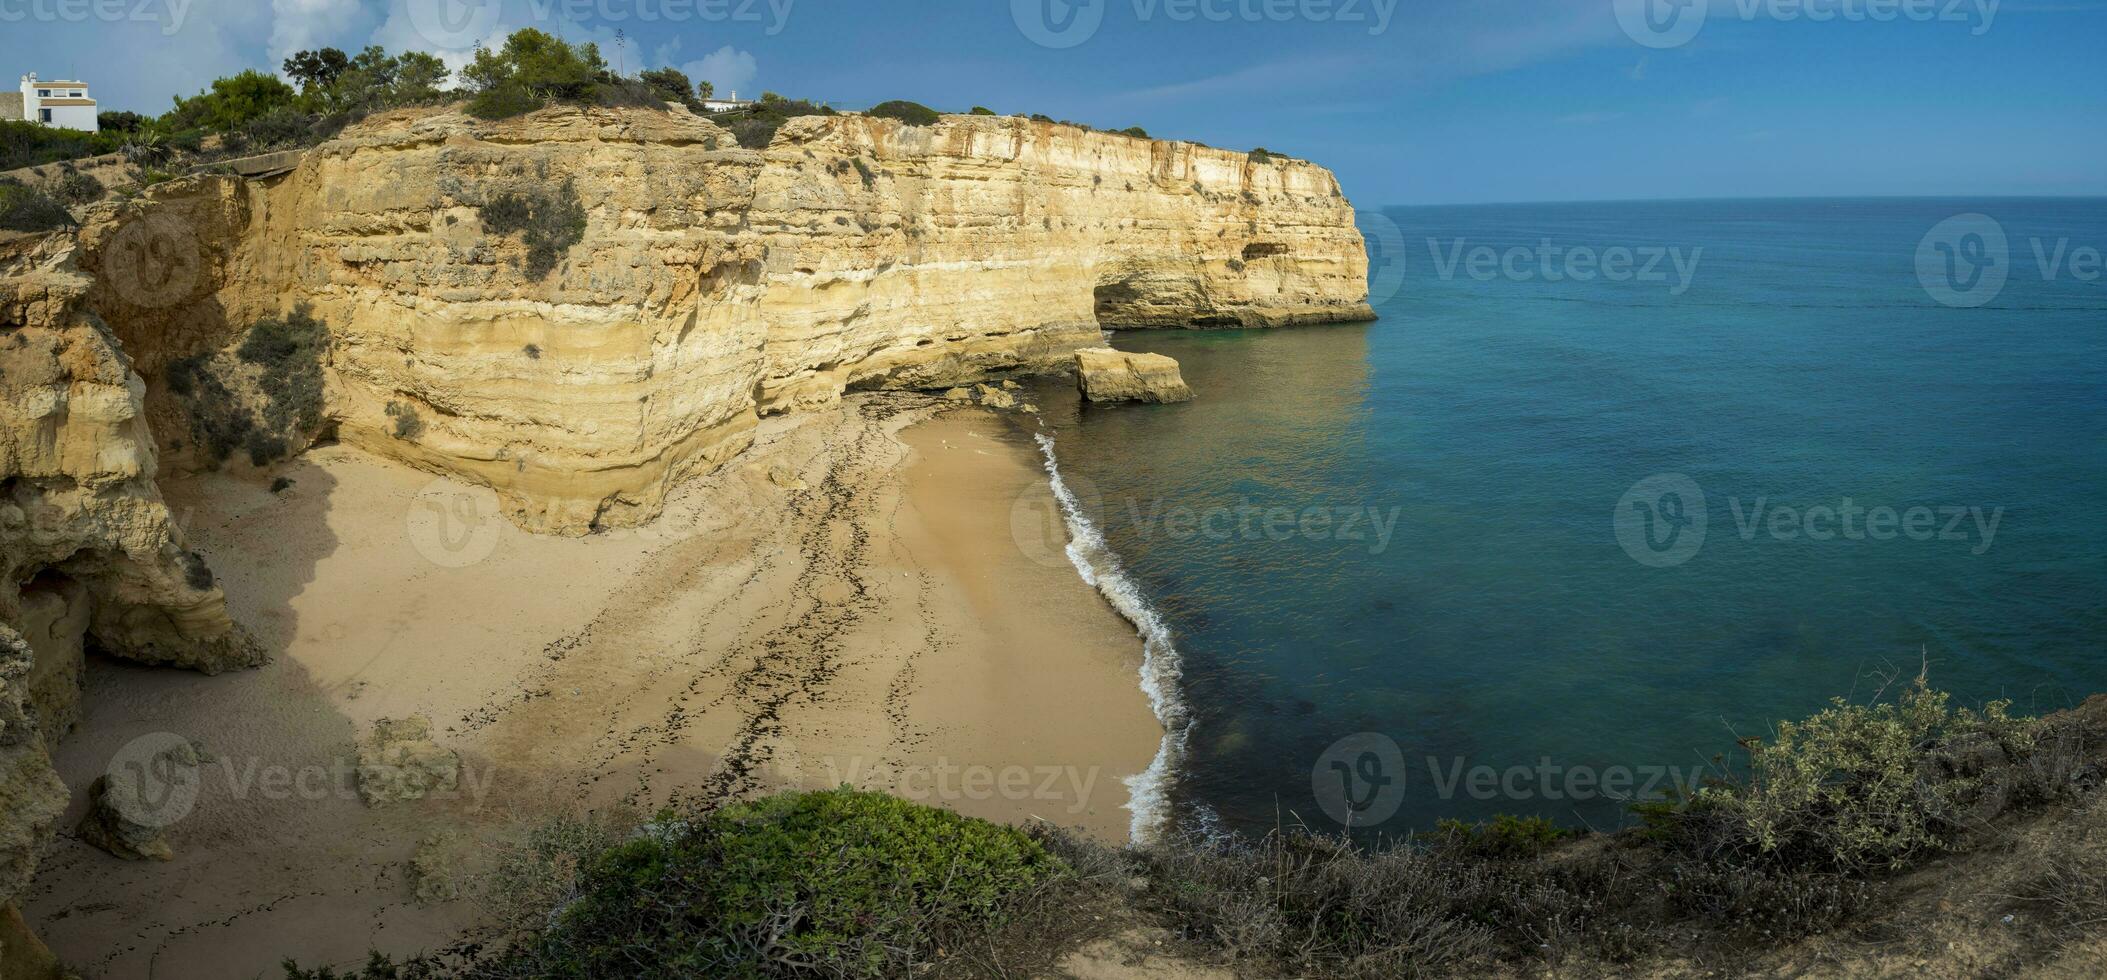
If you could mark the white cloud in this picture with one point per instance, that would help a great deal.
(301, 25)
(726, 68)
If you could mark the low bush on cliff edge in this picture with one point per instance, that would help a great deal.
(534, 68)
(755, 126)
(849, 884)
(911, 113)
(28, 144)
(25, 208)
(835, 883)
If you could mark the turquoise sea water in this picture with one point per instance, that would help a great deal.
(1497, 425)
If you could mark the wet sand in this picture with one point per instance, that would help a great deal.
(860, 599)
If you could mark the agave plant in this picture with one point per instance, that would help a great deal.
(147, 148)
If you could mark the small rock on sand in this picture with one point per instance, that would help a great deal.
(125, 823)
(399, 761)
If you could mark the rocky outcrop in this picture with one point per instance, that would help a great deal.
(78, 502)
(580, 306)
(1107, 375)
(31, 800)
(121, 823)
(88, 550)
(398, 761)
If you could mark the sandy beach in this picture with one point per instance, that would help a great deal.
(854, 600)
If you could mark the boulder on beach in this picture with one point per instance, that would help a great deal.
(123, 822)
(1107, 375)
(399, 761)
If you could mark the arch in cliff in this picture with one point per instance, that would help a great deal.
(1163, 293)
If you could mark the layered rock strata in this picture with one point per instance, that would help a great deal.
(1107, 375)
(579, 306)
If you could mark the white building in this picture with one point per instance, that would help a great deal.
(730, 101)
(57, 103)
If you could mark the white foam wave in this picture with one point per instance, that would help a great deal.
(1148, 792)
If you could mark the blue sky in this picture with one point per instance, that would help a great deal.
(1410, 102)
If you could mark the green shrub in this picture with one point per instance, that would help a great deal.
(119, 121)
(672, 85)
(757, 127)
(1859, 788)
(838, 883)
(534, 68)
(230, 103)
(504, 102)
(408, 424)
(78, 188)
(548, 224)
(911, 113)
(1135, 131)
(1507, 836)
(25, 208)
(219, 422)
(28, 144)
(1261, 155)
(281, 127)
(288, 353)
(981, 110)
(284, 360)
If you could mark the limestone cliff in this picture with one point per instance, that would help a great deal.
(580, 306)
(87, 548)
(81, 519)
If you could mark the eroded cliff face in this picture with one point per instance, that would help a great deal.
(81, 519)
(88, 550)
(693, 285)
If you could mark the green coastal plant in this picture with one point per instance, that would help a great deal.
(547, 223)
(408, 425)
(755, 127)
(1506, 836)
(26, 208)
(277, 369)
(531, 69)
(844, 883)
(1866, 787)
(78, 188)
(911, 113)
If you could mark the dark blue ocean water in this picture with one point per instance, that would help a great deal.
(1498, 422)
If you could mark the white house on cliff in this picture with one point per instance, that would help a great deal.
(50, 102)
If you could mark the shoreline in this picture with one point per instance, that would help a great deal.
(848, 601)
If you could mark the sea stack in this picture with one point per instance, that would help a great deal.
(1107, 375)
